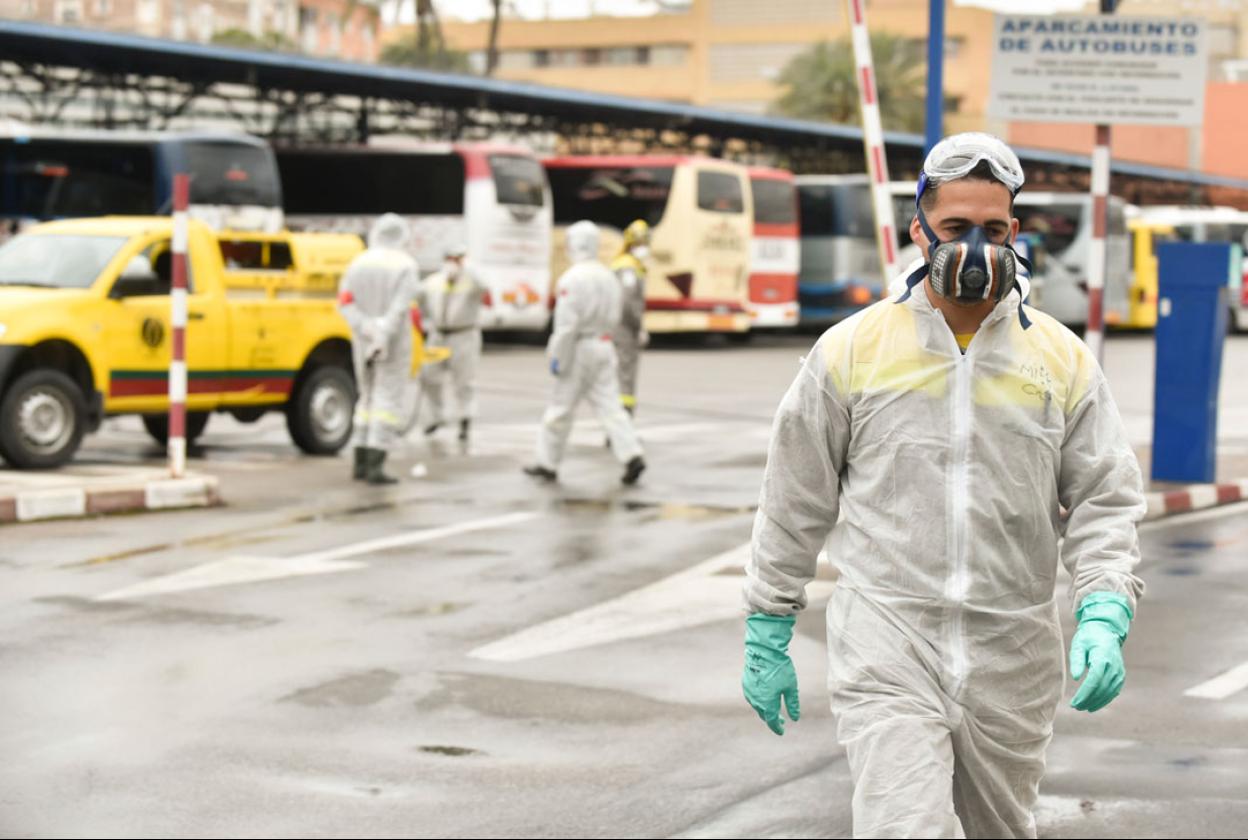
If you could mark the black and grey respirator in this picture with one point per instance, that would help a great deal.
(964, 269)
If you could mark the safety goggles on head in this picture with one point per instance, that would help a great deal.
(955, 157)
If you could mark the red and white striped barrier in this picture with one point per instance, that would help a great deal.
(177, 298)
(1195, 497)
(1095, 333)
(873, 142)
(109, 497)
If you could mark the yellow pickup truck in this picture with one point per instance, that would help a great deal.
(85, 333)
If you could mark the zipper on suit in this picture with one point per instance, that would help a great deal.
(958, 584)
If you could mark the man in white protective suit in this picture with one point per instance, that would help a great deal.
(581, 356)
(958, 434)
(375, 298)
(450, 303)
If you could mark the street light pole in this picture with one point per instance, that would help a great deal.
(933, 125)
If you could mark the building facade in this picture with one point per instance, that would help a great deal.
(719, 53)
(345, 29)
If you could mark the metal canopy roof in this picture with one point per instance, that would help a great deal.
(121, 55)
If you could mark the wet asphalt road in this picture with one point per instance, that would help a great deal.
(469, 654)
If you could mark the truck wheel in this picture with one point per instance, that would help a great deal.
(43, 416)
(319, 413)
(157, 426)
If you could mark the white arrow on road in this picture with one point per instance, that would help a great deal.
(245, 569)
(708, 592)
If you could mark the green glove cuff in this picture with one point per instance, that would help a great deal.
(773, 632)
(1109, 608)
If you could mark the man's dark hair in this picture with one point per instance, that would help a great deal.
(981, 172)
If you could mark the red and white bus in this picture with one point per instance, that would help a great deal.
(492, 198)
(700, 211)
(775, 255)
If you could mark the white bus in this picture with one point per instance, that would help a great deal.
(492, 198)
(48, 174)
(1057, 227)
(700, 211)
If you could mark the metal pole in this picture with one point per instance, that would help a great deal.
(1094, 334)
(933, 125)
(873, 143)
(177, 362)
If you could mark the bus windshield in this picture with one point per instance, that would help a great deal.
(232, 174)
(610, 196)
(1058, 224)
(836, 210)
(57, 178)
(774, 202)
(518, 180)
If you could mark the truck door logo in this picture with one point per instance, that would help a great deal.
(153, 332)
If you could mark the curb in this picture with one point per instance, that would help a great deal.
(1195, 497)
(66, 502)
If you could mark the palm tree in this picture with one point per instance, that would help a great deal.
(823, 82)
(491, 52)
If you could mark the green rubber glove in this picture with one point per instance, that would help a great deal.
(769, 673)
(1104, 618)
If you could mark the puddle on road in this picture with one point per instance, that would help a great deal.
(364, 688)
(454, 752)
(664, 510)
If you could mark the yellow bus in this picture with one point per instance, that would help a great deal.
(701, 214)
(1151, 225)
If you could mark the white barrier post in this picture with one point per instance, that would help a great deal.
(873, 142)
(177, 298)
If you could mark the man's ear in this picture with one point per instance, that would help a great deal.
(917, 237)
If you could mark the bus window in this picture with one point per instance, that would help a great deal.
(232, 174)
(837, 210)
(371, 182)
(57, 179)
(614, 197)
(773, 202)
(517, 180)
(720, 192)
(1058, 224)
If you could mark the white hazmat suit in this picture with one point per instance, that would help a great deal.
(375, 297)
(951, 470)
(581, 351)
(450, 305)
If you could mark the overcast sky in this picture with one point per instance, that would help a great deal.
(477, 9)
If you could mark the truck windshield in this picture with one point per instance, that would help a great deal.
(56, 261)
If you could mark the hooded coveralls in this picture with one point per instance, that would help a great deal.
(375, 297)
(450, 303)
(632, 278)
(945, 652)
(587, 311)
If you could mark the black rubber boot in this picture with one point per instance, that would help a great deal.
(360, 470)
(541, 472)
(375, 474)
(463, 428)
(633, 470)
(432, 427)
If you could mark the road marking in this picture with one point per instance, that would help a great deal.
(250, 569)
(705, 593)
(1223, 685)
